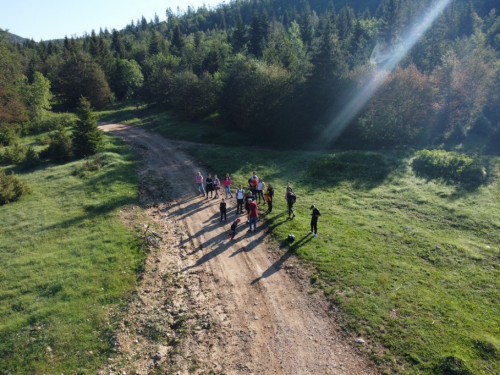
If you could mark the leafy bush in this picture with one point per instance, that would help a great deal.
(90, 165)
(11, 188)
(60, 146)
(43, 140)
(32, 159)
(14, 154)
(449, 166)
(453, 366)
(7, 136)
(51, 121)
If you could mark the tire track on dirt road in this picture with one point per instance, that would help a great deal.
(263, 322)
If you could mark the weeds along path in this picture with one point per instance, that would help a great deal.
(208, 305)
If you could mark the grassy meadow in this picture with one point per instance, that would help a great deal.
(156, 119)
(411, 265)
(67, 263)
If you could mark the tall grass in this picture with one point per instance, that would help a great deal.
(66, 261)
(409, 264)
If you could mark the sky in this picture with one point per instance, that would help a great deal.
(55, 19)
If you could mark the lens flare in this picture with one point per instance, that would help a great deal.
(384, 59)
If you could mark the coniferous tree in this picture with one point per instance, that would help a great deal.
(306, 25)
(256, 35)
(391, 17)
(239, 35)
(86, 137)
(117, 45)
(154, 44)
(286, 19)
(177, 41)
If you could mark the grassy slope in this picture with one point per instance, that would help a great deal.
(65, 261)
(162, 122)
(411, 264)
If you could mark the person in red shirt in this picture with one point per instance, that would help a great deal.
(253, 214)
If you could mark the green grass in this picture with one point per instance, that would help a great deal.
(209, 131)
(410, 264)
(66, 260)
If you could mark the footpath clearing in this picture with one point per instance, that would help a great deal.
(205, 304)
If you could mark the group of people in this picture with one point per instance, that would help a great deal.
(257, 192)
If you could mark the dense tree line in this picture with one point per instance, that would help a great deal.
(283, 68)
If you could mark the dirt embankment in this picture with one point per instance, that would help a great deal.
(207, 305)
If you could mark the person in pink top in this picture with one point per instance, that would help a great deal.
(199, 181)
(227, 185)
(253, 214)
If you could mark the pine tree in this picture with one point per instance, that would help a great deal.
(177, 41)
(117, 45)
(306, 25)
(256, 35)
(87, 138)
(286, 19)
(391, 16)
(154, 44)
(239, 35)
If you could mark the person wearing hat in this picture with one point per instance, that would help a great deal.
(233, 228)
(315, 214)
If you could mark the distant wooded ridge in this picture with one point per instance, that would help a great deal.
(286, 68)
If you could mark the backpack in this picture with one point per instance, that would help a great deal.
(293, 197)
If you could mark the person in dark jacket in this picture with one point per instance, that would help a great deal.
(222, 208)
(269, 198)
(290, 200)
(315, 214)
(210, 185)
(233, 228)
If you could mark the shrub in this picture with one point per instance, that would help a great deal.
(51, 121)
(11, 188)
(14, 154)
(43, 140)
(60, 147)
(7, 136)
(440, 164)
(90, 165)
(32, 159)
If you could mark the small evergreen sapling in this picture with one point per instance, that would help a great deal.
(87, 138)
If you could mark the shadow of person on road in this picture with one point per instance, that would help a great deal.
(276, 266)
(221, 248)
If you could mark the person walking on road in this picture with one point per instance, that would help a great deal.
(199, 182)
(227, 185)
(290, 200)
(222, 208)
(240, 196)
(210, 185)
(253, 214)
(233, 228)
(216, 184)
(314, 220)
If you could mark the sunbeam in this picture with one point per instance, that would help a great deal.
(384, 64)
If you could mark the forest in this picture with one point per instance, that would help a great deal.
(281, 69)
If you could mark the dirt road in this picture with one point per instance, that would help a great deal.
(209, 305)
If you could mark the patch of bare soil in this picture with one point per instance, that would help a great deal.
(207, 305)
